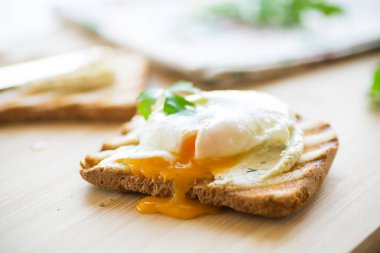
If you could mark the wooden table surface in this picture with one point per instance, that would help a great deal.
(46, 207)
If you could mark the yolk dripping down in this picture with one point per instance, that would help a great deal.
(184, 171)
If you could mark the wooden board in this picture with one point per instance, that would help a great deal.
(46, 207)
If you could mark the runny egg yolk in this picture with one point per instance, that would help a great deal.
(183, 172)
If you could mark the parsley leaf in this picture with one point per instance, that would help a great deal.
(272, 12)
(326, 9)
(374, 92)
(174, 101)
(146, 100)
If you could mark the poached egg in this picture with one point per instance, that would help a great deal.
(231, 138)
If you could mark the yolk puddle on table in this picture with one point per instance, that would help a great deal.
(184, 171)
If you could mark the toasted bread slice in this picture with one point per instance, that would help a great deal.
(112, 103)
(276, 197)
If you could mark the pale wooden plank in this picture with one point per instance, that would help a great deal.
(45, 205)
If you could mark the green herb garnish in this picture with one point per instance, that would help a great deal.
(146, 100)
(174, 102)
(251, 170)
(374, 92)
(272, 12)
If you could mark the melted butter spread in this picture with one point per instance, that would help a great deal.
(234, 138)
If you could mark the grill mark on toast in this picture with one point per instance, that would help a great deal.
(311, 126)
(318, 137)
(123, 140)
(125, 128)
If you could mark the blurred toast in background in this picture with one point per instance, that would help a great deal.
(92, 93)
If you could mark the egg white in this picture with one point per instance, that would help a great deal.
(227, 123)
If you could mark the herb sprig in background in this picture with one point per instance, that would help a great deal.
(272, 12)
(374, 92)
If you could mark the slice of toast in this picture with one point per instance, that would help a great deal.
(276, 197)
(111, 103)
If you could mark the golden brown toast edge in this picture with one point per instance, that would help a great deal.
(277, 198)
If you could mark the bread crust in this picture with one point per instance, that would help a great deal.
(72, 112)
(273, 199)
